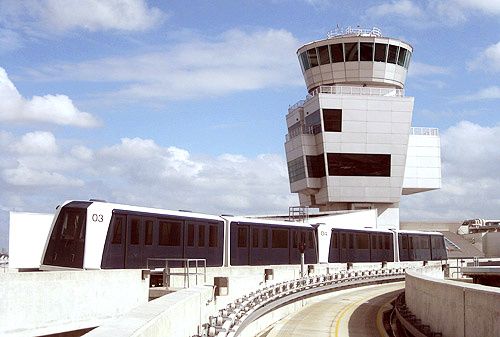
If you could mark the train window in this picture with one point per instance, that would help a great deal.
(424, 242)
(279, 238)
(343, 240)
(134, 232)
(311, 239)
(387, 241)
(72, 223)
(255, 237)
(335, 240)
(393, 54)
(295, 239)
(201, 235)
(351, 241)
(324, 55)
(313, 57)
(170, 233)
(148, 232)
(404, 242)
(117, 231)
(190, 235)
(212, 236)
(303, 239)
(380, 241)
(366, 51)
(363, 241)
(351, 51)
(265, 238)
(337, 52)
(374, 241)
(380, 52)
(242, 237)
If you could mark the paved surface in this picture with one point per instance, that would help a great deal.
(346, 313)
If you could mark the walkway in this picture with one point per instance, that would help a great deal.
(350, 312)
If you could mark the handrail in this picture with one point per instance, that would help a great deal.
(237, 315)
(186, 265)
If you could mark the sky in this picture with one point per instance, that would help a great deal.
(182, 104)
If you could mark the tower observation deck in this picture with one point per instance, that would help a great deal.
(347, 145)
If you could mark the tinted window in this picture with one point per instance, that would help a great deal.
(170, 233)
(279, 238)
(295, 239)
(363, 241)
(354, 164)
(332, 118)
(424, 242)
(374, 241)
(201, 235)
(255, 237)
(190, 235)
(304, 62)
(351, 241)
(351, 52)
(265, 238)
(242, 237)
(402, 57)
(134, 231)
(404, 242)
(117, 230)
(407, 60)
(315, 166)
(212, 237)
(335, 240)
(296, 169)
(380, 241)
(366, 51)
(312, 57)
(380, 52)
(393, 54)
(387, 241)
(324, 55)
(313, 122)
(337, 52)
(343, 241)
(148, 232)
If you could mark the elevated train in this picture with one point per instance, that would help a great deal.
(102, 235)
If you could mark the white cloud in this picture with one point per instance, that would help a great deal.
(488, 60)
(492, 92)
(9, 40)
(470, 166)
(25, 176)
(403, 8)
(93, 15)
(38, 142)
(234, 61)
(491, 7)
(56, 109)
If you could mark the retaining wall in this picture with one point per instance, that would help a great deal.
(452, 308)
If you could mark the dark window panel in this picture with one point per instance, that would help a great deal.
(255, 237)
(279, 238)
(363, 241)
(148, 232)
(295, 239)
(313, 122)
(337, 52)
(190, 235)
(242, 237)
(335, 240)
(212, 236)
(296, 169)
(343, 240)
(312, 57)
(324, 55)
(380, 52)
(380, 241)
(366, 51)
(134, 232)
(201, 235)
(170, 233)
(332, 119)
(424, 242)
(404, 240)
(295, 130)
(304, 61)
(387, 242)
(311, 239)
(351, 240)
(117, 231)
(393, 54)
(316, 166)
(374, 241)
(265, 238)
(351, 52)
(402, 57)
(355, 164)
(407, 60)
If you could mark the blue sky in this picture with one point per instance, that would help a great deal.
(181, 105)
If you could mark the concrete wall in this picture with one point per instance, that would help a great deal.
(491, 244)
(37, 303)
(453, 308)
(176, 314)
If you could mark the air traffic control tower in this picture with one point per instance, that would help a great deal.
(350, 144)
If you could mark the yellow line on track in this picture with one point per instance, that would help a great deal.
(342, 313)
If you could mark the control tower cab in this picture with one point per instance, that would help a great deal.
(350, 144)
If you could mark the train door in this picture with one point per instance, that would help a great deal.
(215, 244)
(310, 242)
(257, 253)
(149, 226)
(240, 244)
(114, 250)
(280, 245)
(297, 240)
(403, 247)
(334, 255)
(134, 237)
(343, 250)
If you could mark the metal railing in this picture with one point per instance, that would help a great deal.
(354, 31)
(238, 314)
(422, 131)
(190, 267)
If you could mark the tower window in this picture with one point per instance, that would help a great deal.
(356, 164)
(315, 166)
(337, 52)
(393, 54)
(332, 119)
(366, 51)
(312, 57)
(304, 61)
(402, 56)
(351, 52)
(313, 122)
(380, 52)
(324, 55)
(296, 169)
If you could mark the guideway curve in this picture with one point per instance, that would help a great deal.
(346, 313)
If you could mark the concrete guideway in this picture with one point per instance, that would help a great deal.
(351, 312)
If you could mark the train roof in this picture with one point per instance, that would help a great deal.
(418, 232)
(265, 221)
(155, 211)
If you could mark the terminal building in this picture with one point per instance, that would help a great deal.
(350, 144)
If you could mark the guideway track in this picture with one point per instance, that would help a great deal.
(346, 313)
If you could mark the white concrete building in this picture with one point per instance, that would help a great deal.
(350, 144)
